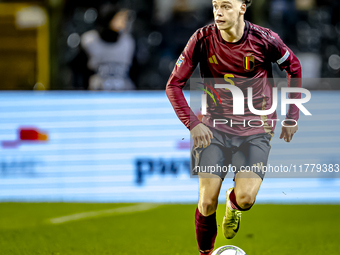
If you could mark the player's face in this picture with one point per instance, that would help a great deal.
(227, 13)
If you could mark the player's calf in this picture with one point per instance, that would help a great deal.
(206, 231)
(205, 216)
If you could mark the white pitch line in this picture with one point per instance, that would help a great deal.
(95, 214)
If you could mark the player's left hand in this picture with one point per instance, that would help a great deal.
(288, 132)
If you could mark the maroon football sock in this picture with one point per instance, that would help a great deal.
(206, 231)
(233, 202)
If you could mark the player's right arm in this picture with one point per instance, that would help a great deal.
(183, 69)
(286, 60)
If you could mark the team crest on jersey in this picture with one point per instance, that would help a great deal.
(249, 63)
(180, 61)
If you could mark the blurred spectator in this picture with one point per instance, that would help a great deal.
(110, 49)
(165, 8)
(310, 27)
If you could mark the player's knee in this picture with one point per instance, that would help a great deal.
(245, 200)
(208, 206)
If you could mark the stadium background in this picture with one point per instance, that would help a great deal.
(61, 142)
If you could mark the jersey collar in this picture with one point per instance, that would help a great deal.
(221, 40)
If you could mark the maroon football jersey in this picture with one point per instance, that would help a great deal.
(245, 63)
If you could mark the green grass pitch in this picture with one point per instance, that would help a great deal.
(25, 229)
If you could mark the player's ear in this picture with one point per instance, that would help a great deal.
(243, 9)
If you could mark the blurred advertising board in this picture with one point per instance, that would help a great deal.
(131, 147)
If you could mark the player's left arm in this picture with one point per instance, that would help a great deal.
(286, 60)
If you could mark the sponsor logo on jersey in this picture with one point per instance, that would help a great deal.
(213, 60)
(180, 61)
(249, 63)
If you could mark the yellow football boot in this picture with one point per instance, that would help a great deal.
(231, 219)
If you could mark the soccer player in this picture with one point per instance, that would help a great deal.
(232, 49)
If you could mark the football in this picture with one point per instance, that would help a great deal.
(228, 250)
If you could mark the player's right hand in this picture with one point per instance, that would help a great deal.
(201, 135)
